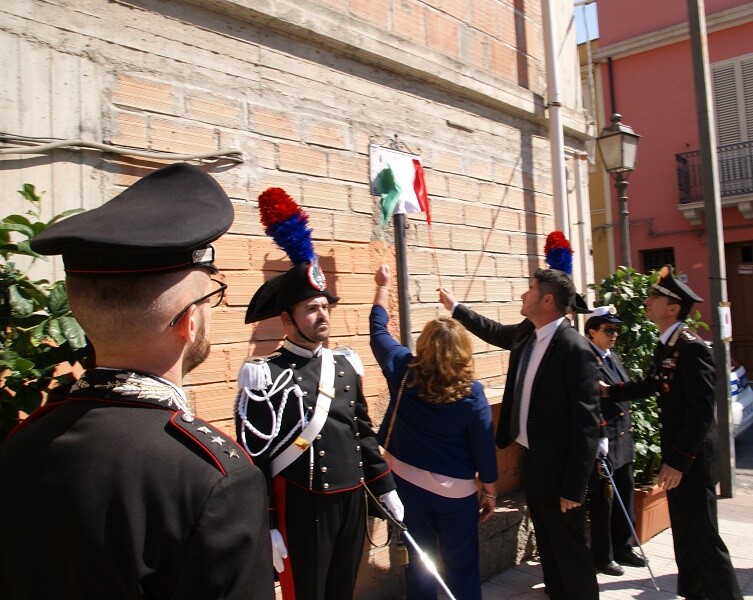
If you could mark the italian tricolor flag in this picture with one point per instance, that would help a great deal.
(403, 189)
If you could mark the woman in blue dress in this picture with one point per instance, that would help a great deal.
(439, 442)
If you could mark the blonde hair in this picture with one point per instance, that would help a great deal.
(443, 365)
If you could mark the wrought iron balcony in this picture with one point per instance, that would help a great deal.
(735, 163)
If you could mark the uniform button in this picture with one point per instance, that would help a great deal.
(323, 469)
(347, 388)
(360, 463)
(361, 479)
(355, 418)
(661, 425)
(622, 433)
(351, 403)
(622, 414)
(326, 486)
(319, 436)
(299, 378)
(357, 434)
(658, 410)
(358, 448)
(322, 453)
(305, 393)
(341, 374)
(292, 365)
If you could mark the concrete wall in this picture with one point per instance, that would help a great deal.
(300, 88)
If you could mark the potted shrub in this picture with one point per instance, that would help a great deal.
(37, 330)
(626, 289)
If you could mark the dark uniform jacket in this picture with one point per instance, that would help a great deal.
(345, 452)
(116, 493)
(616, 413)
(683, 377)
(564, 424)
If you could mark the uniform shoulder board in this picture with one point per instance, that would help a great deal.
(216, 446)
(352, 357)
(689, 335)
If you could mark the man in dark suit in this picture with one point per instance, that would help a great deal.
(118, 491)
(611, 533)
(550, 408)
(683, 377)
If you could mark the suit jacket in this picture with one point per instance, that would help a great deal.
(683, 377)
(123, 496)
(346, 453)
(616, 414)
(564, 416)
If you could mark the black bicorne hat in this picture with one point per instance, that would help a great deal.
(287, 224)
(287, 289)
(164, 222)
(579, 305)
(673, 288)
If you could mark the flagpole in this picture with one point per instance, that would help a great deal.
(403, 288)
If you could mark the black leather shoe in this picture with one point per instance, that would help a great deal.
(611, 568)
(631, 558)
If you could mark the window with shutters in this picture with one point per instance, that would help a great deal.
(733, 100)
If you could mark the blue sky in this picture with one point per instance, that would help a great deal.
(586, 26)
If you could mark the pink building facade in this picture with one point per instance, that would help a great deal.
(646, 75)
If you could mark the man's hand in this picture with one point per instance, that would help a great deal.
(279, 551)
(603, 446)
(446, 298)
(603, 390)
(566, 504)
(382, 276)
(394, 506)
(669, 478)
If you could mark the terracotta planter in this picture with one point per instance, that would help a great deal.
(651, 512)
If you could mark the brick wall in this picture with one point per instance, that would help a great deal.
(460, 81)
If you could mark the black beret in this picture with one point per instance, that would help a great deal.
(303, 281)
(674, 288)
(164, 222)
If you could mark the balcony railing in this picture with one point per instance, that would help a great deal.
(735, 172)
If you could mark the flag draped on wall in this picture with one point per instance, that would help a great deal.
(403, 189)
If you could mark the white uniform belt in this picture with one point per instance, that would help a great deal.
(314, 426)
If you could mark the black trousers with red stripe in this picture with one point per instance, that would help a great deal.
(324, 534)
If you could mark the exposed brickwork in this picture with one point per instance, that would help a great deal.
(303, 114)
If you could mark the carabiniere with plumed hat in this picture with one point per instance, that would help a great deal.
(302, 415)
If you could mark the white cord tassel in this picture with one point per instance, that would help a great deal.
(254, 375)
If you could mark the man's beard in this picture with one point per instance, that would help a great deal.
(198, 351)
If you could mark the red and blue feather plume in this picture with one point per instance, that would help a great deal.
(559, 252)
(286, 223)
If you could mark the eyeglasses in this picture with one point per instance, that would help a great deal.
(610, 330)
(219, 292)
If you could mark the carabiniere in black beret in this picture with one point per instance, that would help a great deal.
(164, 222)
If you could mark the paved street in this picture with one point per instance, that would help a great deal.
(735, 523)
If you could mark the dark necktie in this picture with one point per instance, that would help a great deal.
(518, 393)
(612, 366)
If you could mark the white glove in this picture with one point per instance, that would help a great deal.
(279, 551)
(392, 503)
(603, 446)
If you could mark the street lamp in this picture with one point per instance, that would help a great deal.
(618, 146)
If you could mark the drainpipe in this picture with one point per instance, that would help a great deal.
(556, 135)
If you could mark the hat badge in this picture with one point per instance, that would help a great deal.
(316, 276)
